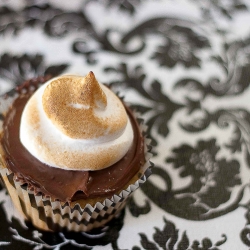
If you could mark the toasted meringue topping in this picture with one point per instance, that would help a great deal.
(72, 103)
(73, 122)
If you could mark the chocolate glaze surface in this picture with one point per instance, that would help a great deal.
(66, 185)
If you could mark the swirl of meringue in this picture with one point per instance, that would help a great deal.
(75, 123)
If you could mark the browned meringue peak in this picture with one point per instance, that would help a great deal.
(77, 106)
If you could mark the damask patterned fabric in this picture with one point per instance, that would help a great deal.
(185, 65)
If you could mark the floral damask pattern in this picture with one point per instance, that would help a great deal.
(18, 69)
(209, 175)
(234, 63)
(181, 46)
(54, 21)
(169, 238)
(226, 9)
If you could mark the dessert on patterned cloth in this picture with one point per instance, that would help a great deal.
(71, 152)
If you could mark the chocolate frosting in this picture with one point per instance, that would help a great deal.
(65, 185)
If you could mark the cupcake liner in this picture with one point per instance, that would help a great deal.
(52, 215)
(48, 214)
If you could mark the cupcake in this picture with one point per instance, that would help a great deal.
(71, 152)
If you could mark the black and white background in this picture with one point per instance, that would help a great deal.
(185, 65)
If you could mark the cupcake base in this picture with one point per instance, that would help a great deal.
(51, 215)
